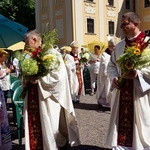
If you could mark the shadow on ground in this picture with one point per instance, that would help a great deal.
(95, 107)
(18, 147)
(88, 147)
(81, 147)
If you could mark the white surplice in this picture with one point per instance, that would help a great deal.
(72, 76)
(58, 120)
(141, 125)
(103, 82)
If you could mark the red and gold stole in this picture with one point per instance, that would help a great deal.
(78, 72)
(34, 122)
(126, 104)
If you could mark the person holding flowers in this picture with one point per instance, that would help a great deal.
(50, 121)
(129, 70)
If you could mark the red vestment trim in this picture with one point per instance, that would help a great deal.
(126, 109)
(35, 132)
(78, 72)
(79, 76)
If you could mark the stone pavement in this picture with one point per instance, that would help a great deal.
(92, 124)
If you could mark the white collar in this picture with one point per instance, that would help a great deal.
(134, 36)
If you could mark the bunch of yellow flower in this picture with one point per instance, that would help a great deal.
(134, 58)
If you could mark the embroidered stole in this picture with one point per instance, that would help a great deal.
(126, 106)
(35, 132)
(126, 109)
(78, 72)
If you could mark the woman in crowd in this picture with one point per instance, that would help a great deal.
(94, 67)
(5, 137)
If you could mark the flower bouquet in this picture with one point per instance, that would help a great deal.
(38, 65)
(39, 62)
(84, 57)
(135, 57)
(35, 63)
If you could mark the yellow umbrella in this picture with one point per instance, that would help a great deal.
(102, 45)
(67, 48)
(17, 46)
(84, 45)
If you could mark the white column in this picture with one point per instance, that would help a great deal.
(102, 20)
(79, 20)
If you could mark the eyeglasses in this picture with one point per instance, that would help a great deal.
(125, 24)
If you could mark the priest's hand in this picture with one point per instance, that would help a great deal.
(115, 83)
(33, 80)
(130, 75)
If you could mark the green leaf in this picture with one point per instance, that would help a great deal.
(49, 38)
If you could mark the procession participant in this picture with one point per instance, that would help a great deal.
(50, 121)
(79, 69)
(103, 83)
(129, 126)
(111, 46)
(71, 71)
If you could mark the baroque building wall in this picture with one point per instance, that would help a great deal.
(72, 18)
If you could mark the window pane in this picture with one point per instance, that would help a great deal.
(147, 3)
(111, 2)
(127, 4)
(90, 25)
(111, 27)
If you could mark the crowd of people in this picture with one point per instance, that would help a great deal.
(58, 91)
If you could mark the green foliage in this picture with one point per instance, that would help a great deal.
(49, 39)
(29, 67)
(22, 11)
(18, 55)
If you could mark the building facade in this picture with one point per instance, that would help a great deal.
(88, 20)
